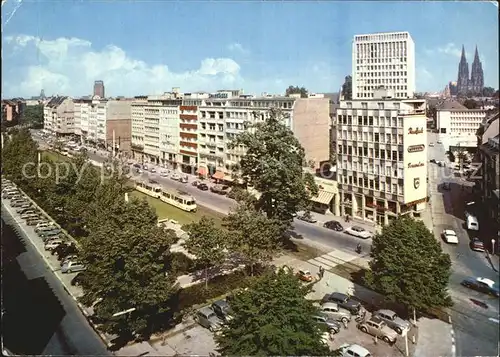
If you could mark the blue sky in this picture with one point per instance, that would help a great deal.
(145, 47)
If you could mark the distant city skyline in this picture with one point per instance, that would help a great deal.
(205, 46)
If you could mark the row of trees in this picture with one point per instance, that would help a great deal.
(127, 255)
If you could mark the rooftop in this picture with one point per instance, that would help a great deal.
(452, 105)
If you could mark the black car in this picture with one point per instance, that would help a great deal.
(154, 182)
(203, 187)
(343, 300)
(334, 225)
(483, 285)
(433, 161)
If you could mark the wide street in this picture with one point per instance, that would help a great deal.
(320, 237)
(476, 328)
(67, 332)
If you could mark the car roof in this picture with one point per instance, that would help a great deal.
(221, 303)
(486, 281)
(305, 271)
(206, 310)
(359, 350)
(376, 319)
(357, 228)
(450, 232)
(339, 295)
(330, 304)
(386, 312)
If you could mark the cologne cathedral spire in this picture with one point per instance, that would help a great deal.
(477, 76)
(463, 74)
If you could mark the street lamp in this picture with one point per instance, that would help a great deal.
(492, 246)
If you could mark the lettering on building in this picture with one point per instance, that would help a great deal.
(415, 131)
(416, 148)
(412, 166)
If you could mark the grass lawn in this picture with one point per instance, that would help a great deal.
(164, 211)
(54, 156)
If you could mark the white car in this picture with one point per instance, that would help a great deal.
(358, 232)
(153, 170)
(164, 173)
(53, 244)
(450, 236)
(354, 350)
(175, 177)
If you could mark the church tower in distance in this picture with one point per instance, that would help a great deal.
(477, 77)
(463, 74)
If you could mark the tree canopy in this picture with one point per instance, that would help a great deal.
(347, 88)
(206, 242)
(252, 234)
(470, 104)
(272, 318)
(408, 265)
(297, 90)
(273, 165)
(32, 115)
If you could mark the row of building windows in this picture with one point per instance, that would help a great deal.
(371, 137)
(371, 95)
(371, 120)
(369, 153)
(373, 185)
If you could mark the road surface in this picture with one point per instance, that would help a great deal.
(476, 328)
(63, 329)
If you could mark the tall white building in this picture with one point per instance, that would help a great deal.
(383, 59)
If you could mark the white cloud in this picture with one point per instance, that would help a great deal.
(450, 49)
(238, 47)
(70, 66)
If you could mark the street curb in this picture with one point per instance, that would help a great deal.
(80, 306)
(453, 342)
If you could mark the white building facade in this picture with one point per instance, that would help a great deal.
(381, 158)
(458, 127)
(383, 59)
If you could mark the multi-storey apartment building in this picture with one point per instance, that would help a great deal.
(58, 116)
(207, 123)
(487, 178)
(381, 157)
(82, 106)
(383, 59)
(457, 125)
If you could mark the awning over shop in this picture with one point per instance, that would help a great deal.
(219, 175)
(228, 178)
(202, 170)
(323, 197)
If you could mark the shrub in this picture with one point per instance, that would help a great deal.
(181, 264)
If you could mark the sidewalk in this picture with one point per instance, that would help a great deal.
(369, 226)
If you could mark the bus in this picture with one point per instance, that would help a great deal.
(179, 199)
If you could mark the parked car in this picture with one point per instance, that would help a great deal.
(154, 182)
(20, 204)
(332, 309)
(44, 224)
(482, 285)
(307, 218)
(34, 221)
(347, 350)
(203, 187)
(305, 275)
(219, 189)
(153, 170)
(45, 229)
(175, 177)
(65, 251)
(477, 245)
(51, 233)
(358, 232)
(52, 244)
(195, 183)
(450, 236)
(164, 173)
(333, 225)
(30, 215)
(183, 179)
(343, 301)
(393, 320)
(222, 309)
(330, 323)
(375, 326)
(26, 210)
(72, 266)
(207, 318)
(21, 207)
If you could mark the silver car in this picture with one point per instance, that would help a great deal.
(375, 326)
(333, 310)
(393, 320)
(72, 266)
(328, 321)
(207, 318)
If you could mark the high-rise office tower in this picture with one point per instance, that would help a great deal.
(383, 60)
(99, 89)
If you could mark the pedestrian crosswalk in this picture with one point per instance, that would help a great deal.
(332, 259)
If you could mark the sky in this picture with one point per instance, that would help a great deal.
(147, 47)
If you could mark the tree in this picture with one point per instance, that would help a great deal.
(272, 318)
(206, 242)
(347, 88)
(470, 104)
(127, 256)
(408, 265)
(488, 92)
(273, 165)
(19, 156)
(297, 90)
(33, 116)
(252, 234)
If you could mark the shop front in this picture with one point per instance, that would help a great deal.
(327, 201)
